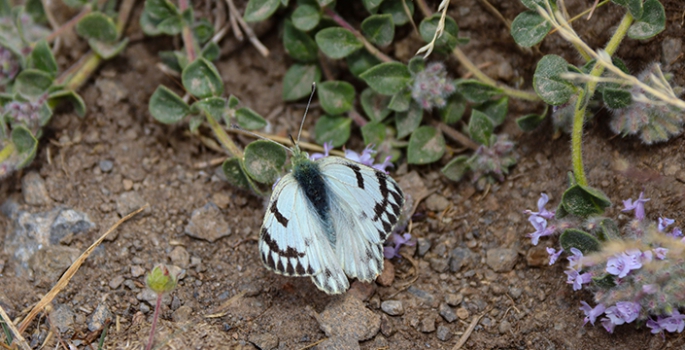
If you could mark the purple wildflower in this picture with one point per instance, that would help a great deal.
(432, 86)
(366, 157)
(660, 253)
(591, 314)
(608, 325)
(649, 288)
(664, 222)
(677, 232)
(621, 264)
(638, 206)
(327, 147)
(674, 322)
(655, 325)
(577, 279)
(391, 252)
(553, 254)
(541, 229)
(542, 212)
(574, 261)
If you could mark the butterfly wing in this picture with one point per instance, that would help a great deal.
(365, 206)
(292, 241)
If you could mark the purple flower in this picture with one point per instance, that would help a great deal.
(542, 212)
(676, 232)
(655, 325)
(553, 254)
(577, 279)
(366, 157)
(574, 261)
(591, 314)
(621, 264)
(541, 229)
(638, 206)
(660, 253)
(391, 252)
(628, 310)
(608, 325)
(327, 147)
(674, 322)
(664, 222)
(649, 288)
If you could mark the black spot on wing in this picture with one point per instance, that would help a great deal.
(357, 173)
(270, 261)
(279, 217)
(280, 266)
(310, 271)
(299, 269)
(290, 252)
(289, 268)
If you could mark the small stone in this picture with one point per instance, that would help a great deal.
(207, 223)
(180, 257)
(444, 333)
(460, 257)
(392, 307)
(537, 256)
(387, 328)
(386, 277)
(137, 271)
(182, 314)
(438, 264)
(221, 199)
(144, 308)
(436, 202)
(128, 184)
(116, 281)
(62, 317)
(338, 343)
(504, 327)
(462, 313)
(128, 202)
(424, 245)
(515, 292)
(34, 190)
(447, 313)
(359, 322)
(453, 299)
(99, 318)
(426, 297)
(361, 290)
(501, 260)
(427, 324)
(130, 285)
(106, 165)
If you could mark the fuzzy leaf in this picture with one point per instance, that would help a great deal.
(214, 106)
(335, 130)
(480, 128)
(529, 28)
(259, 10)
(336, 97)
(75, 99)
(201, 79)
(634, 6)
(372, 5)
(298, 44)
(375, 105)
(652, 22)
(98, 26)
(107, 50)
(166, 106)
(387, 78)
(396, 9)
(456, 168)
(529, 122)
(264, 160)
(373, 133)
(235, 175)
(31, 83)
(233, 102)
(306, 17)
(249, 119)
(25, 143)
(400, 101)
(605, 281)
(616, 98)
(581, 240)
(360, 61)
(548, 84)
(42, 58)
(337, 42)
(379, 29)
(416, 64)
(407, 122)
(583, 201)
(496, 110)
(477, 92)
(426, 145)
(297, 81)
(449, 37)
(608, 230)
(454, 109)
(160, 9)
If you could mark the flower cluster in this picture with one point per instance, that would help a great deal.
(28, 112)
(493, 160)
(431, 87)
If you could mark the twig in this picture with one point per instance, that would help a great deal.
(456, 135)
(17, 334)
(411, 19)
(71, 271)
(313, 344)
(248, 30)
(467, 333)
(232, 15)
(285, 141)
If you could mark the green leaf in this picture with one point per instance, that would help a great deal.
(406, 122)
(426, 145)
(98, 26)
(360, 61)
(337, 42)
(581, 240)
(634, 6)
(297, 81)
(448, 40)
(616, 98)
(298, 44)
(264, 160)
(400, 101)
(107, 50)
(335, 130)
(533, 4)
(259, 10)
(211, 51)
(233, 102)
(171, 26)
(214, 106)
(652, 22)
(529, 28)
(387, 78)
(25, 144)
(336, 97)
(195, 122)
(306, 17)
(372, 5)
(373, 133)
(375, 105)
(605, 281)
(379, 29)
(548, 84)
(480, 128)
(249, 119)
(454, 109)
(396, 9)
(456, 168)
(608, 230)
(496, 110)
(583, 201)
(203, 30)
(35, 9)
(166, 106)
(201, 79)
(42, 58)
(530, 122)
(324, 3)
(235, 175)
(416, 65)
(160, 9)
(475, 91)
(74, 98)
(32, 83)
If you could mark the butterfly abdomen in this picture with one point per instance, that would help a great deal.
(308, 176)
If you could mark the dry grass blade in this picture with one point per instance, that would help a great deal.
(467, 333)
(17, 334)
(71, 271)
(221, 311)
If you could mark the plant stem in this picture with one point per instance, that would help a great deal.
(223, 137)
(191, 46)
(369, 47)
(585, 94)
(456, 135)
(154, 321)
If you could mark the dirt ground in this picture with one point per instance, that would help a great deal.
(527, 305)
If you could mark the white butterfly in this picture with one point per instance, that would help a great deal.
(328, 219)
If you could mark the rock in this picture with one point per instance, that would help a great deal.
(436, 202)
(62, 317)
(69, 222)
(515, 292)
(537, 256)
(424, 245)
(387, 328)
(392, 307)
(453, 299)
(504, 327)
(358, 323)
(180, 257)
(183, 314)
(207, 223)
(116, 281)
(128, 202)
(426, 297)
(438, 264)
(34, 190)
(447, 313)
(128, 184)
(144, 308)
(672, 48)
(137, 271)
(427, 324)
(462, 313)
(99, 318)
(386, 277)
(106, 165)
(49, 263)
(460, 257)
(501, 260)
(338, 343)
(444, 333)
(361, 290)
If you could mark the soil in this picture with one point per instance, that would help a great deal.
(524, 306)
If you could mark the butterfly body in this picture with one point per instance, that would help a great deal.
(328, 219)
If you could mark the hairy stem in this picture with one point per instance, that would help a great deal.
(191, 45)
(154, 321)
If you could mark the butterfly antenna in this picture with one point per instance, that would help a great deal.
(305, 113)
(237, 127)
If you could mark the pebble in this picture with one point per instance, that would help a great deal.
(439, 264)
(264, 341)
(116, 281)
(361, 290)
(137, 271)
(386, 277)
(428, 298)
(387, 328)
(144, 308)
(392, 307)
(436, 202)
(501, 259)
(182, 314)
(359, 323)
(338, 343)
(62, 317)
(504, 327)
(453, 299)
(49, 263)
(99, 318)
(34, 190)
(459, 258)
(444, 333)
(180, 257)
(537, 256)
(424, 245)
(462, 313)
(128, 202)
(106, 165)
(207, 223)
(515, 292)
(128, 184)
(427, 324)
(447, 313)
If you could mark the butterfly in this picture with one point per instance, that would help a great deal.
(328, 219)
